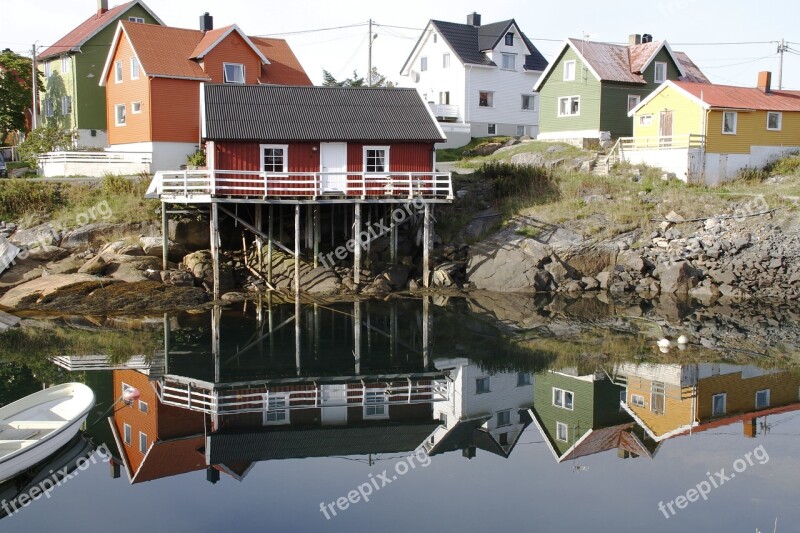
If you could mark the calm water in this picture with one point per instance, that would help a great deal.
(492, 413)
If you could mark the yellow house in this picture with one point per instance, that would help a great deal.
(706, 133)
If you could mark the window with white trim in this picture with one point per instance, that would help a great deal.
(658, 397)
(529, 102)
(504, 418)
(48, 107)
(127, 433)
(143, 407)
(637, 400)
(645, 120)
(719, 404)
(48, 69)
(633, 101)
(508, 62)
(661, 72)
(569, 70)
(569, 106)
(118, 72)
(762, 399)
(491, 129)
(562, 432)
(65, 64)
(445, 60)
(375, 404)
(119, 115)
(136, 108)
(140, 20)
(443, 419)
(485, 99)
(444, 97)
(274, 157)
(66, 105)
(134, 68)
(729, 122)
(376, 159)
(234, 72)
(774, 121)
(277, 409)
(563, 398)
(423, 64)
(142, 442)
(482, 385)
(509, 39)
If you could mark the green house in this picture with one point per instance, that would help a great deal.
(587, 91)
(580, 415)
(71, 96)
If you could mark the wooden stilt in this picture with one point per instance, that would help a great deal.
(357, 244)
(316, 331)
(297, 249)
(426, 248)
(309, 234)
(357, 335)
(333, 226)
(164, 237)
(259, 238)
(215, 247)
(167, 332)
(392, 237)
(297, 337)
(270, 325)
(269, 246)
(426, 339)
(316, 236)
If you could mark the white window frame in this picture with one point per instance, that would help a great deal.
(65, 64)
(780, 120)
(562, 403)
(645, 120)
(506, 414)
(489, 99)
(386, 167)
(509, 37)
(570, 67)
(117, 121)
(531, 102)
(127, 434)
(143, 407)
(225, 73)
(559, 427)
(284, 147)
(663, 67)
(508, 58)
(66, 102)
(136, 108)
(135, 66)
(423, 63)
(491, 129)
(140, 20)
(48, 69)
(637, 400)
(280, 412)
(124, 386)
(143, 442)
(446, 60)
(724, 404)
(118, 72)
(769, 394)
(488, 388)
(569, 100)
(370, 395)
(735, 122)
(435, 38)
(636, 99)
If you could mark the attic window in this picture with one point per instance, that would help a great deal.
(435, 38)
(423, 64)
(140, 20)
(569, 71)
(234, 72)
(509, 62)
(661, 72)
(509, 39)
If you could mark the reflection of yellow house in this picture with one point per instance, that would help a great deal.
(671, 400)
(706, 133)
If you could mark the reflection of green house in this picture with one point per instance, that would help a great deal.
(71, 96)
(580, 415)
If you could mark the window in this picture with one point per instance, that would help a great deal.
(658, 394)
(729, 120)
(136, 108)
(142, 442)
(143, 407)
(446, 61)
(234, 72)
(134, 68)
(482, 385)
(529, 102)
(444, 97)
(762, 399)
(563, 398)
(633, 101)
(435, 38)
(274, 157)
(503, 439)
(561, 432)
(523, 379)
(140, 20)
(645, 120)
(118, 72)
(277, 410)
(48, 107)
(119, 114)
(486, 99)
(48, 70)
(520, 131)
(376, 159)
(66, 105)
(508, 62)
(718, 404)
(126, 434)
(569, 71)
(569, 106)
(774, 121)
(661, 72)
(64, 64)
(637, 400)
(423, 64)
(509, 39)
(443, 419)
(503, 418)
(375, 404)
(491, 129)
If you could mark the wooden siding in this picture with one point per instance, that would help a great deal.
(232, 49)
(688, 116)
(175, 110)
(741, 393)
(585, 85)
(677, 406)
(579, 420)
(751, 130)
(137, 127)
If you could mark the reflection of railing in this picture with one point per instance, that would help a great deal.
(236, 401)
(662, 143)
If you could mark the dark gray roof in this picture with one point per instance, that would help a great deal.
(297, 443)
(289, 113)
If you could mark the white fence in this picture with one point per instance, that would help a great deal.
(93, 164)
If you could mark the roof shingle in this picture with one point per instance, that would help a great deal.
(728, 96)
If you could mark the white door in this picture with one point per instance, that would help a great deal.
(334, 404)
(333, 160)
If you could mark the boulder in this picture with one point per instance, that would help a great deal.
(529, 158)
(201, 266)
(153, 246)
(95, 266)
(320, 280)
(192, 234)
(676, 278)
(396, 276)
(506, 269)
(632, 260)
(45, 286)
(41, 235)
(441, 278)
(558, 271)
(179, 278)
(47, 252)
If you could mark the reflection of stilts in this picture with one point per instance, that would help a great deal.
(357, 335)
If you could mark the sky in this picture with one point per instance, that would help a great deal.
(694, 26)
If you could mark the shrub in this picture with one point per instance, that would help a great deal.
(197, 159)
(785, 166)
(42, 140)
(19, 196)
(518, 181)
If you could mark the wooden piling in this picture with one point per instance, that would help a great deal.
(426, 248)
(317, 236)
(297, 249)
(164, 237)
(356, 244)
(269, 246)
(215, 247)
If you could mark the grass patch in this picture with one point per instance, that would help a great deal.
(447, 155)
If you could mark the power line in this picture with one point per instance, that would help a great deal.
(742, 63)
(299, 32)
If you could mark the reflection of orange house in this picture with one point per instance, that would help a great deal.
(153, 74)
(670, 400)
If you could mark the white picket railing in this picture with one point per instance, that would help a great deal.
(662, 143)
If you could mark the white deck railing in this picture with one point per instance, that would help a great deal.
(444, 111)
(96, 157)
(221, 402)
(662, 143)
(197, 185)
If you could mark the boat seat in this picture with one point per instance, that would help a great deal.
(36, 424)
(8, 432)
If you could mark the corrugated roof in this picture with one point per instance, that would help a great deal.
(207, 40)
(727, 96)
(292, 113)
(165, 51)
(692, 71)
(284, 68)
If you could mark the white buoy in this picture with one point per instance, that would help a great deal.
(683, 339)
(664, 344)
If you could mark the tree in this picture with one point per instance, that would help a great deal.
(378, 80)
(15, 92)
(45, 139)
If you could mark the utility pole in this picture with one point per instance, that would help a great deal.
(369, 62)
(34, 85)
(782, 49)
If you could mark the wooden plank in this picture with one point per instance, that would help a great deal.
(8, 252)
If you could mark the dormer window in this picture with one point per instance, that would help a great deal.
(234, 72)
(509, 39)
(140, 20)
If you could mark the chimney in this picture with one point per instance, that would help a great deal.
(102, 7)
(765, 81)
(206, 22)
(473, 19)
(647, 38)
(634, 38)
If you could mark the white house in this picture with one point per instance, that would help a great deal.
(477, 79)
(483, 410)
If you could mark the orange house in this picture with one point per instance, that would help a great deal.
(153, 74)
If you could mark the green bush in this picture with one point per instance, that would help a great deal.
(786, 166)
(197, 159)
(519, 181)
(45, 139)
(19, 196)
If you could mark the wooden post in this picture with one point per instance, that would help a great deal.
(297, 249)
(357, 335)
(215, 247)
(357, 244)
(259, 238)
(216, 313)
(297, 336)
(167, 333)
(269, 246)
(270, 325)
(426, 336)
(392, 236)
(316, 236)
(164, 237)
(426, 248)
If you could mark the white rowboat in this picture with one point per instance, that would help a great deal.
(35, 427)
